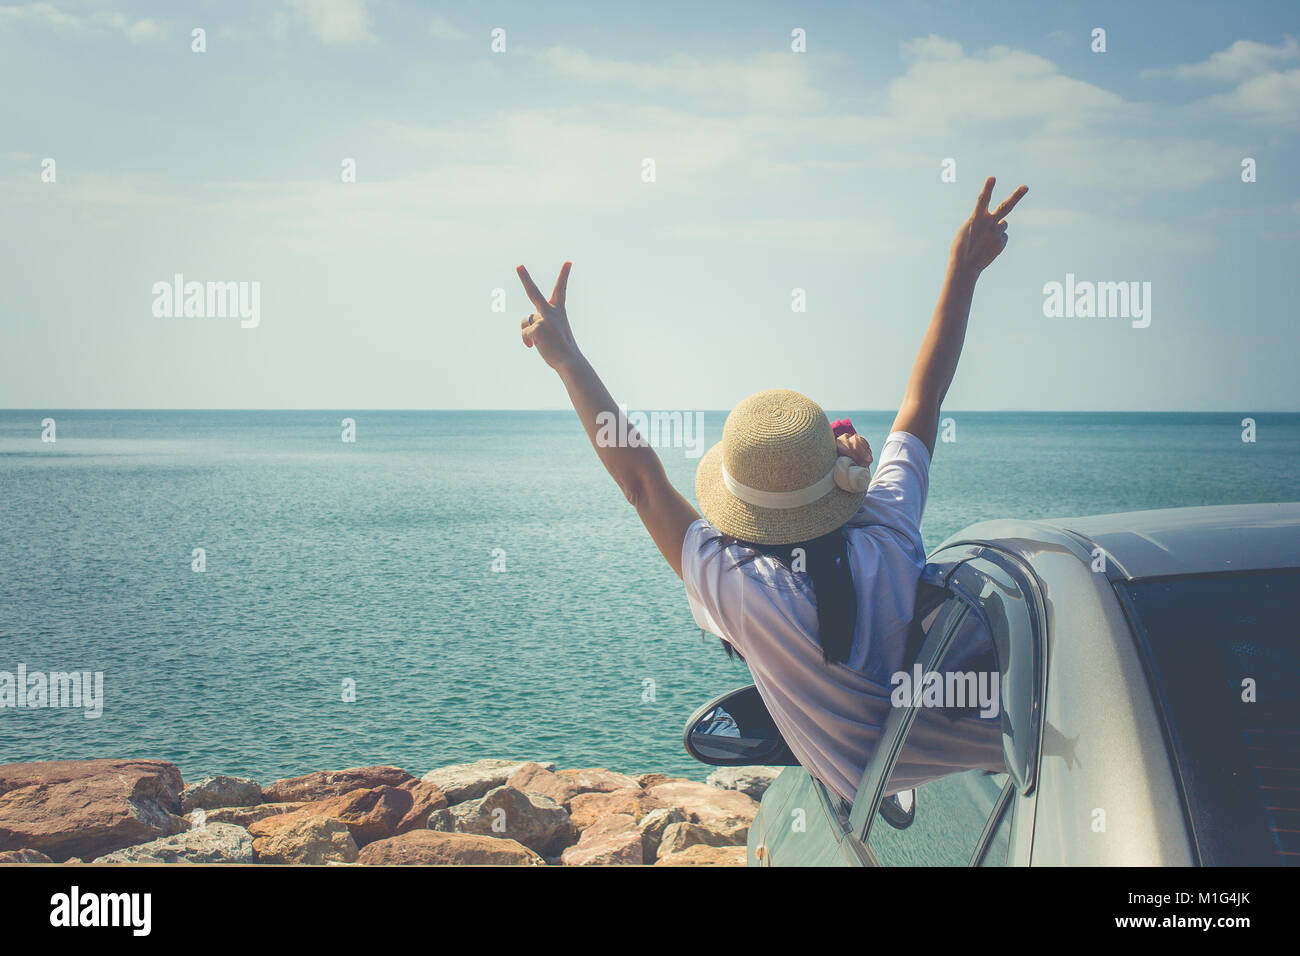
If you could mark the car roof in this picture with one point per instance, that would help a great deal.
(1169, 541)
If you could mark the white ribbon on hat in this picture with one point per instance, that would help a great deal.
(846, 474)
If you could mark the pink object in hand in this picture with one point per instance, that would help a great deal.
(842, 426)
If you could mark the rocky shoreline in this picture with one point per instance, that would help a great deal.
(489, 812)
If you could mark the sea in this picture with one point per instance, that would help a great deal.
(264, 598)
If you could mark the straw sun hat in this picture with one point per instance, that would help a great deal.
(776, 478)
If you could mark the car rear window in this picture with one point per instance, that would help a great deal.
(1223, 653)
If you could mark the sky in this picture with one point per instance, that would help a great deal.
(843, 171)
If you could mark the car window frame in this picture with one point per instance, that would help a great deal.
(940, 571)
(952, 612)
(1005, 806)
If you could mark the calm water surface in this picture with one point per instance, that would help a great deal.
(373, 562)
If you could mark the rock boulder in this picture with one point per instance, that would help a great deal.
(712, 806)
(434, 848)
(751, 781)
(469, 781)
(701, 855)
(211, 793)
(24, 856)
(680, 836)
(535, 821)
(369, 814)
(241, 816)
(587, 808)
(653, 825)
(614, 840)
(314, 841)
(332, 783)
(86, 808)
(598, 780)
(534, 778)
(425, 799)
(213, 843)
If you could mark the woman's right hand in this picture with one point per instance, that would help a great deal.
(854, 447)
(548, 327)
(984, 235)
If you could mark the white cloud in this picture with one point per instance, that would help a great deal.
(859, 235)
(1265, 91)
(1014, 104)
(932, 47)
(43, 13)
(1050, 223)
(49, 15)
(440, 28)
(1007, 104)
(542, 158)
(1244, 58)
(144, 30)
(1016, 113)
(335, 22)
(946, 89)
(1269, 98)
(777, 82)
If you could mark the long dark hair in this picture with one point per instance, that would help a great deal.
(826, 561)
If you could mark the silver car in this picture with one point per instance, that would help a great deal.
(1149, 695)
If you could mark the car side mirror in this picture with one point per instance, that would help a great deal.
(735, 730)
(899, 809)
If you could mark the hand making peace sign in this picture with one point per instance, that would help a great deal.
(548, 327)
(984, 234)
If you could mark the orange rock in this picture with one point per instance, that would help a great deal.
(534, 778)
(24, 856)
(244, 816)
(701, 803)
(432, 848)
(679, 837)
(306, 840)
(648, 780)
(597, 779)
(586, 808)
(87, 808)
(701, 855)
(370, 814)
(332, 783)
(425, 798)
(613, 840)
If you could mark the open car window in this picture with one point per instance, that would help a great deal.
(953, 816)
(963, 738)
(951, 756)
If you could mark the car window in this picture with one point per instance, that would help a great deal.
(1225, 668)
(979, 708)
(951, 815)
(951, 755)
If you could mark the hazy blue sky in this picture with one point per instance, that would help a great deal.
(775, 170)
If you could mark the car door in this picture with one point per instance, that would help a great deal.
(985, 643)
(802, 823)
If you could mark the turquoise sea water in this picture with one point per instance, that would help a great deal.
(373, 562)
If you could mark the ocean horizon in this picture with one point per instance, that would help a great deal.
(473, 576)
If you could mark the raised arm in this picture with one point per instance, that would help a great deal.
(634, 465)
(978, 242)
